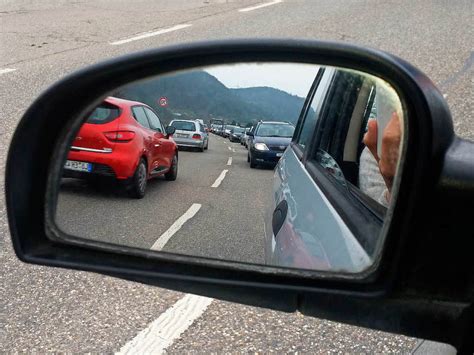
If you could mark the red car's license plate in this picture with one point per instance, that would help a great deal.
(78, 166)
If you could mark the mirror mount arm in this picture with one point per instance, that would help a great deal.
(457, 174)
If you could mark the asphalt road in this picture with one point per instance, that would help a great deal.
(228, 225)
(44, 309)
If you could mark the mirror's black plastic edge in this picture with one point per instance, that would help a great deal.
(407, 274)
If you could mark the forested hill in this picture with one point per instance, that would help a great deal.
(200, 95)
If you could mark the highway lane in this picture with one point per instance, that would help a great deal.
(149, 217)
(228, 226)
(30, 30)
(59, 310)
(230, 223)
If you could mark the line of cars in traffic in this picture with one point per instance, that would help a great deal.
(126, 141)
(266, 141)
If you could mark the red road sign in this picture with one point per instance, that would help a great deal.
(163, 101)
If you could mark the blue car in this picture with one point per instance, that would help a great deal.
(267, 142)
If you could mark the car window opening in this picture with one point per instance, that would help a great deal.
(184, 126)
(104, 113)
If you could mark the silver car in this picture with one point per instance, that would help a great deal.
(191, 134)
(304, 228)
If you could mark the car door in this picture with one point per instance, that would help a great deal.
(307, 228)
(148, 136)
(163, 148)
(288, 241)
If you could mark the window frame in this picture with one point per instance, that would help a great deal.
(162, 130)
(110, 106)
(135, 117)
(301, 152)
(274, 124)
(178, 120)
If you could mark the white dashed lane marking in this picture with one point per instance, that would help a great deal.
(6, 70)
(247, 9)
(150, 34)
(176, 226)
(219, 179)
(163, 331)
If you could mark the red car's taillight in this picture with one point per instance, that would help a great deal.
(196, 136)
(120, 136)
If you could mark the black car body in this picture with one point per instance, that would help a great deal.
(236, 134)
(268, 141)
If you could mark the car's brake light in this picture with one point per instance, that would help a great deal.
(196, 136)
(120, 136)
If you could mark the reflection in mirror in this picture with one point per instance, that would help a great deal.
(199, 162)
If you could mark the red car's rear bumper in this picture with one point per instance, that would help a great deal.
(121, 163)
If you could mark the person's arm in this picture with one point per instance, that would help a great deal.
(391, 139)
(371, 181)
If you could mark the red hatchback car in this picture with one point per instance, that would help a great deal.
(124, 140)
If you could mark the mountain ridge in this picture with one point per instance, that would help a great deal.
(198, 94)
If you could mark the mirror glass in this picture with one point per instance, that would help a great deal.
(281, 164)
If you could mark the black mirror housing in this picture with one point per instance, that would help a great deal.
(422, 277)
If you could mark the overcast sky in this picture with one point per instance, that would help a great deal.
(294, 78)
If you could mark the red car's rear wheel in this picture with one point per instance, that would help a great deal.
(172, 174)
(138, 184)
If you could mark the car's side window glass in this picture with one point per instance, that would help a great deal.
(154, 120)
(201, 127)
(140, 116)
(337, 130)
(338, 147)
(309, 124)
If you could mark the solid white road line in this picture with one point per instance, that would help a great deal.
(176, 226)
(163, 331)
(6, 70)
(219, 179)
(229, 162)
(247, 9)
(150, 34)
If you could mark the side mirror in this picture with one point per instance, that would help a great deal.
(312, 238)
(170, 130)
